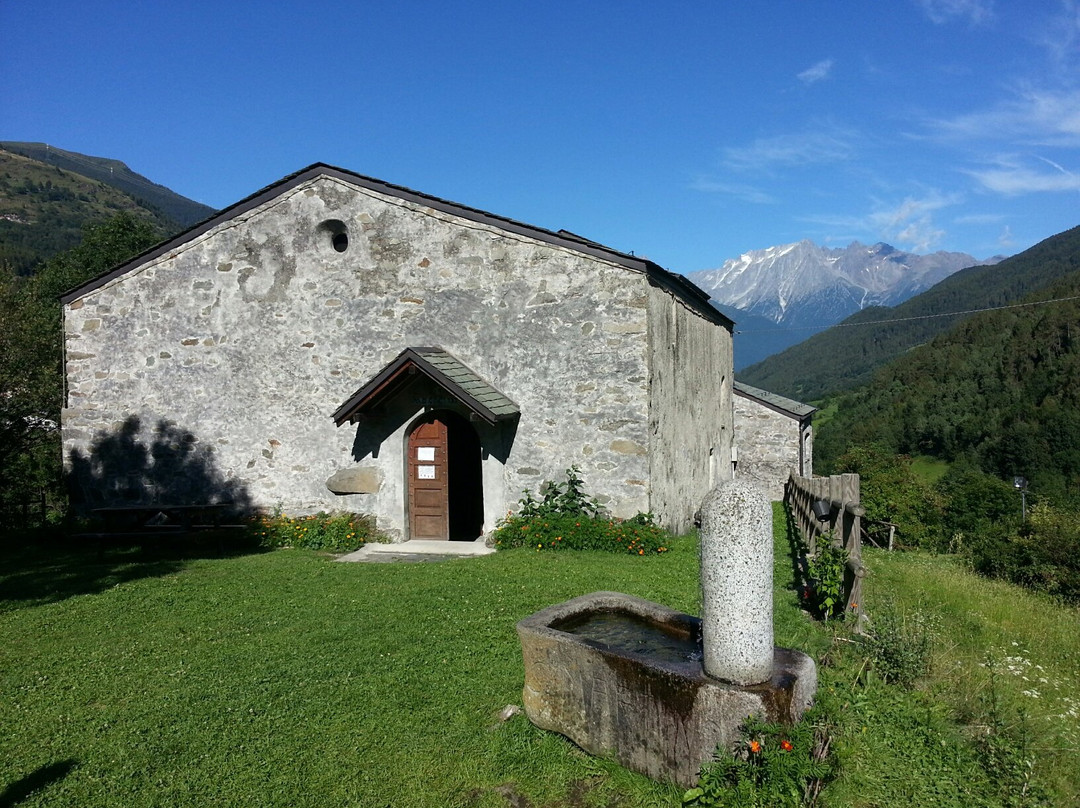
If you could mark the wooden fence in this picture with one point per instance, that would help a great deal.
(843, 522)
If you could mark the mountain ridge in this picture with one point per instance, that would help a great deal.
(44, 206)
(804, 286)
(843, 357)
(179, 209)
(769, 281)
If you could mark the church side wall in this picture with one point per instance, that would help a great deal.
(251, 335)
(690, 415)
(768, 444)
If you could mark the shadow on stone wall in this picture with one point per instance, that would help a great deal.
(163, 466)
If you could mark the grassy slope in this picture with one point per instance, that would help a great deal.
(37, 224)
(283, 679)
(1034, 644)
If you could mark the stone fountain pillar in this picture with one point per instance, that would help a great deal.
(624, 677)
(736, 584)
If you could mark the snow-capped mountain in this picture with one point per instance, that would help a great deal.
(802, 285)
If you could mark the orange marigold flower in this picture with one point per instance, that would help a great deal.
(755, 747)
(641, 552)
(786, 745)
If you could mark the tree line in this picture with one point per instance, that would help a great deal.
(996, 398)
(31, 365)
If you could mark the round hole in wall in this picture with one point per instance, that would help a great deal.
(334, 232)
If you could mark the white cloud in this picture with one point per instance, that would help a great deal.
(976, 12)
(909, 224)
(1011, 176)
(1060, 35)
(834, 145)
(817, 72)
(1038, 117)
(979, 218)
(1006, 238)
(747, 193)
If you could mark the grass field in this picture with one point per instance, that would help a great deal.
(928, 469)
(281, 678)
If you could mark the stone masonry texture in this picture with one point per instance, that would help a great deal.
(248, 336)
(768, 443)
(736, 583)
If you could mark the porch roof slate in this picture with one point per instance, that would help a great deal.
(442, 368)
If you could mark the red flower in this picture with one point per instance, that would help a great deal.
(755, 747)
(785, 745)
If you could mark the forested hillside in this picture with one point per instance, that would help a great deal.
(44, 206)
(846, 355)
(1001, 391)
(114, 173)
(31, 365)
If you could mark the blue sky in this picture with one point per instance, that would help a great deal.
(688, 132)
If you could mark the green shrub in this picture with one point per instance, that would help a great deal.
(774, 766)
(1053, 542)
(891, 492)
(826, 569)
(1043, 554)
(973, 500)
(565, 518)
(637, 536)
(899, 645)
(566, 499)
(334, 532)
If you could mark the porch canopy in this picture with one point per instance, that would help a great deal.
(460, 383)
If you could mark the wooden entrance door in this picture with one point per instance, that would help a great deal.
(429, 505)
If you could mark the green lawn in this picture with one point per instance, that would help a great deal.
(282, 678)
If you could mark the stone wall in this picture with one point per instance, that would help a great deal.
(768, 445)
(250, 335)
(690, 415)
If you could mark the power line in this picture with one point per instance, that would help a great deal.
(909, 319)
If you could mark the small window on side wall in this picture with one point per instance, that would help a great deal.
(335, 233)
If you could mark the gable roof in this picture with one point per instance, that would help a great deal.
(443, 369)
(784, 406)
(672, 282)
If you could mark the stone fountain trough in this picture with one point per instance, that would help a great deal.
(657, 689)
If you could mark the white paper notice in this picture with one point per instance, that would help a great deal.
(425, 472)
(425, 454)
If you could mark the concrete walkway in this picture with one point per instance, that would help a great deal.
(418, 551)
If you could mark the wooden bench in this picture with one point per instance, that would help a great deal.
(155, 519)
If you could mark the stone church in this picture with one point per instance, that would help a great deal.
(334, 342)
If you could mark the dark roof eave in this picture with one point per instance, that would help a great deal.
(801, 412)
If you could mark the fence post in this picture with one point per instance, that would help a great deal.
(842, 492)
